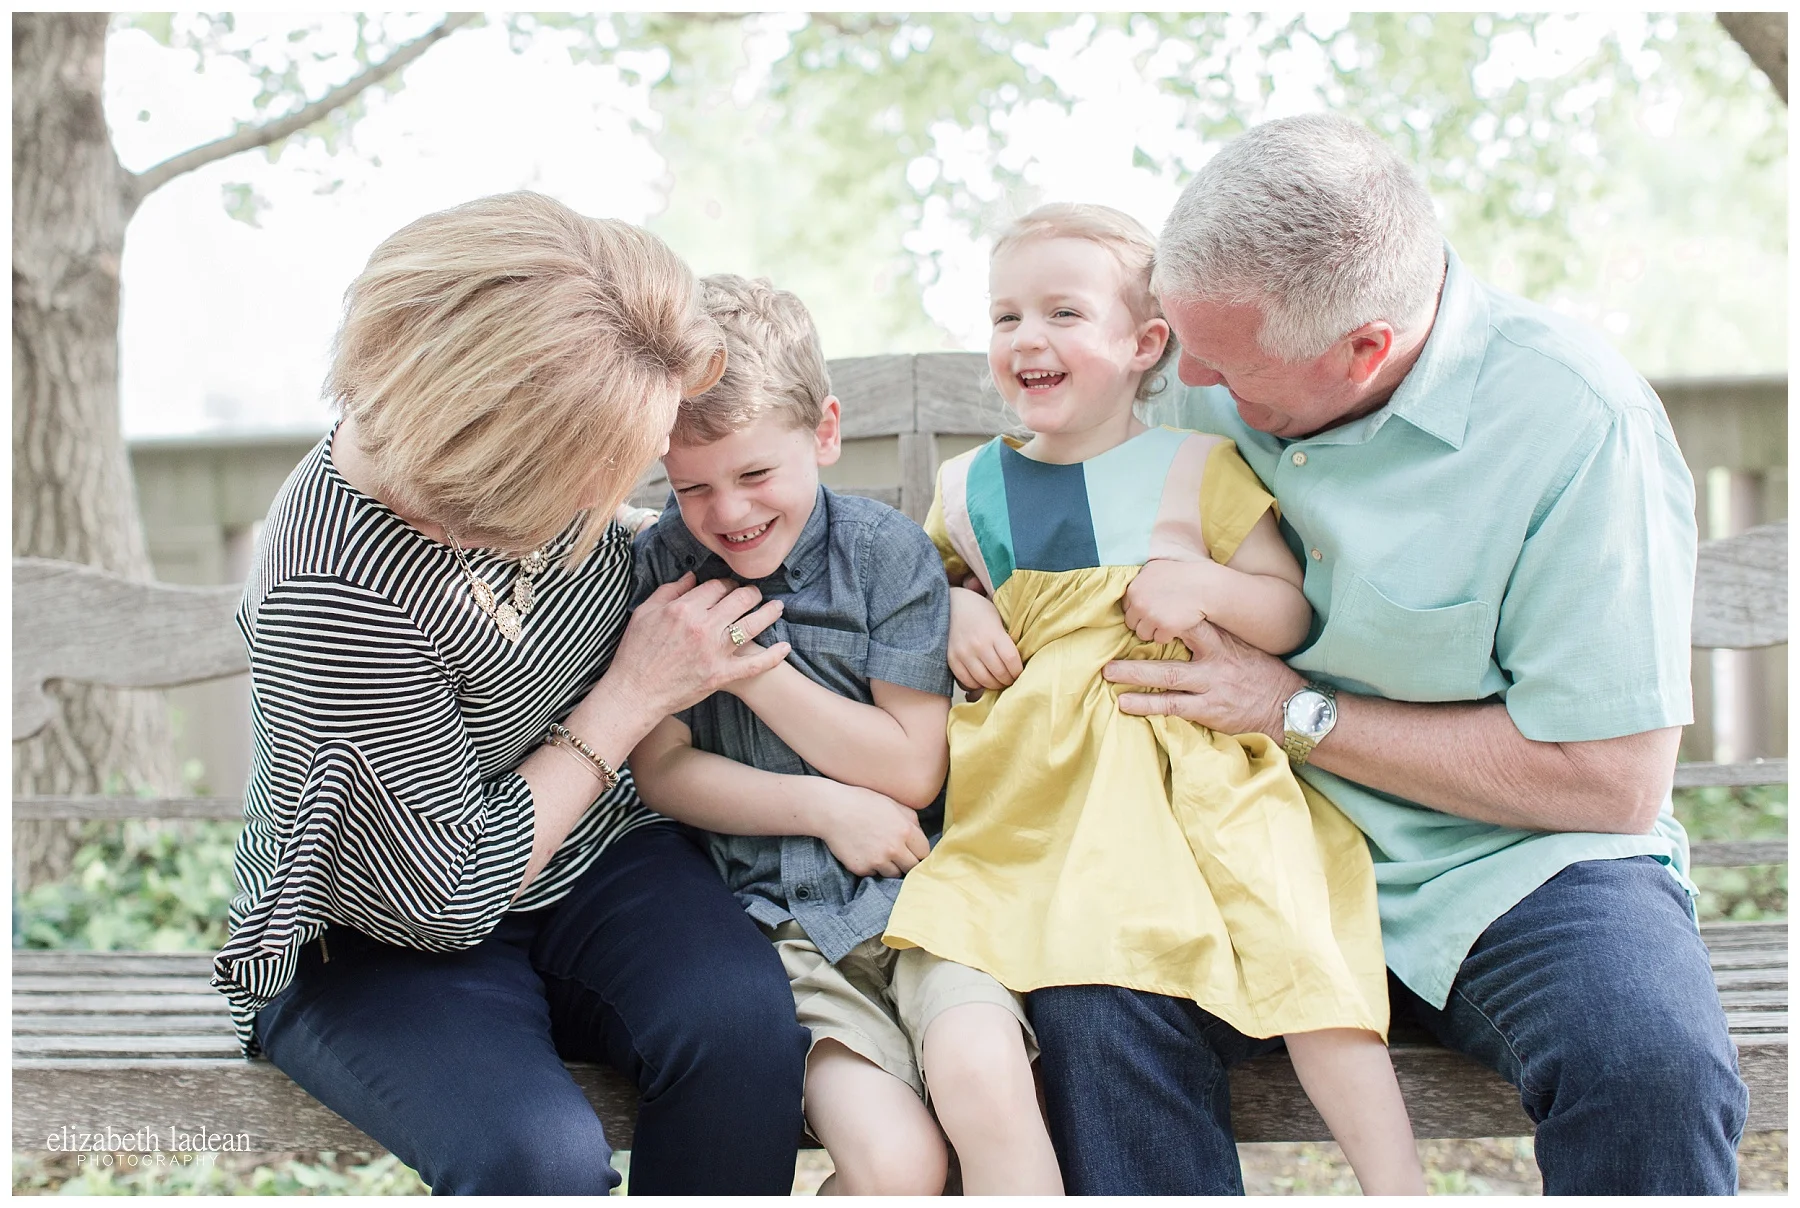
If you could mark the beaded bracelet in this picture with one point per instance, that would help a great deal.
(561, 736)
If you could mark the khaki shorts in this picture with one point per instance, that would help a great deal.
(878, 1001)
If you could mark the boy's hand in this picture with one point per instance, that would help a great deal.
(1167, 599)
(870, 833)
(982, 655)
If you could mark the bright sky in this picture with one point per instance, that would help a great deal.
(226, 325)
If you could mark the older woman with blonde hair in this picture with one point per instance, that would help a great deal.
(447, 883)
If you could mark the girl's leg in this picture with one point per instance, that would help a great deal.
(651, 966)
(1347, 1075)
(879, 1135)
(445, 1059)
(981, 1086)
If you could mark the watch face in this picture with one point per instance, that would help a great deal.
(1310, 713)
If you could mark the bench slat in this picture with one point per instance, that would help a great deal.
(226, 809)
(1740, 590)
(89, 983)
(126, 1045)
(201, 1003)
(1745, 935)
(1731, 775)
(1748, 1023)
(1737, 854)
(64, 1024)
(111, 630)
(1447, 1095)
(1749, 958)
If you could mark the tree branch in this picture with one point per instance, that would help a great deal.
(141, 184)
(1764, 38)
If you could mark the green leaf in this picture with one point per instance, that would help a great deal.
(160, 26)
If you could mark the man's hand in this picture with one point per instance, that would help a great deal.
(1167, 599)
(870, 833)
(1229, 685)
(981, 653)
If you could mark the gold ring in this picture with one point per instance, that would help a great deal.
(738, 636)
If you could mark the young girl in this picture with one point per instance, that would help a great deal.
(1083, 845)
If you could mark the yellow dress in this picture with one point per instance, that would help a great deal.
(1083, 845)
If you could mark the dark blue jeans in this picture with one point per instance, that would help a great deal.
(454, 1061)
(1593, 996)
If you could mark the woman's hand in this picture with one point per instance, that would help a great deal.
(677, 650)
(870, 833)
(982, 655)
(634, 520)
(1167, 599)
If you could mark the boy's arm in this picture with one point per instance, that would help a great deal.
(1256, 595)
(871, 835)
(896, 746)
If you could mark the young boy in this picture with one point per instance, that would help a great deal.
(811, 776)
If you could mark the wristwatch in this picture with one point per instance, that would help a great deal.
(1306, 718)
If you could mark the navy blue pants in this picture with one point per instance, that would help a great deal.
(1593, 996)
(454, 1061)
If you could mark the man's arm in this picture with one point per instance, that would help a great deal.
(869, 833)
(1466, 759)
(895, 746)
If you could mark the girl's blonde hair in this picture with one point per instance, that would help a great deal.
(1130, 243)
(502, 358)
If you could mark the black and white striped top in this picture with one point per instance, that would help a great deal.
(389, 715)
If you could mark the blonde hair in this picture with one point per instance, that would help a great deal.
(1130, 244)
(499, 357)
(773, 361)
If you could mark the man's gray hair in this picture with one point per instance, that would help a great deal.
(1313, 220)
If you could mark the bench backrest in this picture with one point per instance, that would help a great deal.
(76, 623)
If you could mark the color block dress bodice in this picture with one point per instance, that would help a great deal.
(1083, 845)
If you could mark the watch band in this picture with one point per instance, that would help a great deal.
(1299, 747)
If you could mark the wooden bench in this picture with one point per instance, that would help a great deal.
(132, 1038)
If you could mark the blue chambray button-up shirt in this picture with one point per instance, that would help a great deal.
(1517, 524)
(864, 597)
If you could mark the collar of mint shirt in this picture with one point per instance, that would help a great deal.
(801, 566)
(1447, 878)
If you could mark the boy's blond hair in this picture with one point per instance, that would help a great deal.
(773, 361)
(1130, 243)
(502, 358)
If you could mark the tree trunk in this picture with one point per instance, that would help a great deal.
(1764, 38)
(73, 496)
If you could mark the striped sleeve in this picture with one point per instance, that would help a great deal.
(394, 832)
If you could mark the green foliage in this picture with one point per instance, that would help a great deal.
(213, 1174)
(1742, 894)
(1637, 177)
(790, 143)
(243, 203)
(159, 886)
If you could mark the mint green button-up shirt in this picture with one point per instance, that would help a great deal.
(1515, 524)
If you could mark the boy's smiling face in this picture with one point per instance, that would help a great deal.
(746, 496)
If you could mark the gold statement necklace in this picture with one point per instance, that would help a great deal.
(509, 615)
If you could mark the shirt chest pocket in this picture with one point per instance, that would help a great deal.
(838, 658)
(1417, 654)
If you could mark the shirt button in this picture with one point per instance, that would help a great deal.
(1317, 556)
(1299, 458)
(803, 893)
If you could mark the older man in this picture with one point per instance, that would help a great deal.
(1498, 535)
